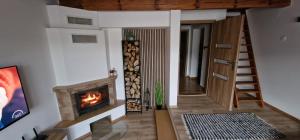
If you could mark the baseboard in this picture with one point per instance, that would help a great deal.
(172, 106)
(283, 112)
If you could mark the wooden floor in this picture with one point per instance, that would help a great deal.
(140, 126)
(143, 127)
(189, 86)
(203, 104)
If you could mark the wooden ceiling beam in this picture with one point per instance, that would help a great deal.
(141, 5)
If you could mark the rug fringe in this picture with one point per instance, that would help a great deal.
(185, 126)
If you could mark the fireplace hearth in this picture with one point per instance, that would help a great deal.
(92, 99)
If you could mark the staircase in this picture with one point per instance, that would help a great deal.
(247, 88)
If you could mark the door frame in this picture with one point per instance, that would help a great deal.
(184, 27)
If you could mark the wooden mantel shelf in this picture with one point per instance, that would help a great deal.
(67, 123)
(142, 5)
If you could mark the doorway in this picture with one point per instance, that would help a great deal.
(194, 48)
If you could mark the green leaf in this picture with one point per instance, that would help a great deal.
(159, 97)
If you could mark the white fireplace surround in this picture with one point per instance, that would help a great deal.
(78, 126)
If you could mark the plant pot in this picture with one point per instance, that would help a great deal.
(158, 107)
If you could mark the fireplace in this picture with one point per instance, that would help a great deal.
(71, 97)
(92, 99)
(84, 103)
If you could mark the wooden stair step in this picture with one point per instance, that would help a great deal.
(246, 83)
(246, 91)
(245, 59)
(249, 99)
(246, 74)
(245, 95)
(246, 45)
(243, 67)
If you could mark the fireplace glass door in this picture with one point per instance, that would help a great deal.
(92, 99)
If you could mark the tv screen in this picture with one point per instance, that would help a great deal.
(13, 105)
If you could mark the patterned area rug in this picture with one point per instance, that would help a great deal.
(228, 126)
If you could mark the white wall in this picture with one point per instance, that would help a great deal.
(114, 46)
(194, 51)
(174, 56)
(23, 42)
(278, 61)
(58, 17)
(134, 19)
(77, 62)
(203, 14)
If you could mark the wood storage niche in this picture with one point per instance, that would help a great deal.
(132, 75)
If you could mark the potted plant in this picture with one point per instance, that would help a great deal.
(159, 96)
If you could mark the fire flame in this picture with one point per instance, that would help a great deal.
(91, 98)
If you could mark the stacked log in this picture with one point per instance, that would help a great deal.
(132, 85)
(134, 105)
(132, 76)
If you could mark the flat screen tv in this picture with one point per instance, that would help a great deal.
(13, 104)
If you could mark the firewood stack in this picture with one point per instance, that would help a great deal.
(132, 76)
(134, 105)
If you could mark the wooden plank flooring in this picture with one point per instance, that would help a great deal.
(163, 123)
(203, 104)
(189, 86)
(140, 126)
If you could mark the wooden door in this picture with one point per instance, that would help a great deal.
(226, 36)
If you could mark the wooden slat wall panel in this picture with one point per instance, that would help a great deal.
(216, 4)
(177, 4)
(101, 5)
(252, 3)
(111, 5)
(71, 3)
(138, 4)
(279, 3)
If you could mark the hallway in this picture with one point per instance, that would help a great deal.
(189, 86)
